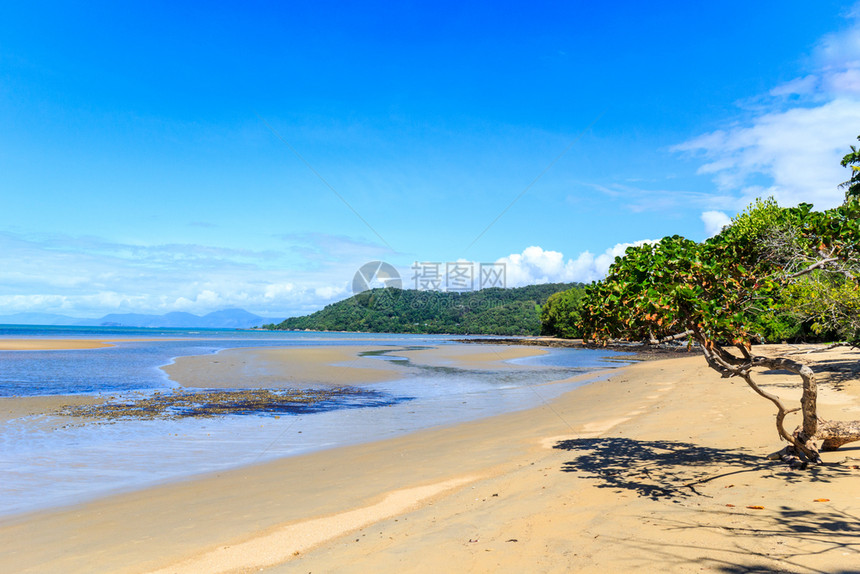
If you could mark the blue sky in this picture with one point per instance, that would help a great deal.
(147, 163)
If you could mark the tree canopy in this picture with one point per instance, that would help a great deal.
(773, 271)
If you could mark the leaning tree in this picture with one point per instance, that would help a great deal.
(712, 292)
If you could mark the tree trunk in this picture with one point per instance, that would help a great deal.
(834, 434)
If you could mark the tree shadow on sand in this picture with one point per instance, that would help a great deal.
(800, 533)
(837, 372)
(670, 469)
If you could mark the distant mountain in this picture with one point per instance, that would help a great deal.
(170, 320)
(224, 319)
(233, 318)
(493, 311)
(37, 319)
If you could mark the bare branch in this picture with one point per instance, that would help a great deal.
(814, 266)
(654, 341)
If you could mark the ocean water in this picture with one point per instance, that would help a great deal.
(45, 461)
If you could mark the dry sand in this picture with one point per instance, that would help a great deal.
(660, 468)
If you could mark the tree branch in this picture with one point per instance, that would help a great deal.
(813, 267)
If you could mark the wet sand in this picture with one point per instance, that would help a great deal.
(300, 366)
(18, 407)
(660, 468)
(472, 356)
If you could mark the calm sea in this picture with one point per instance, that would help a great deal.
(46, 462)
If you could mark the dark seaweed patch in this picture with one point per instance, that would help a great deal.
(211, 403)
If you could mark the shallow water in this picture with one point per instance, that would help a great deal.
(134, 365)
(49, 460)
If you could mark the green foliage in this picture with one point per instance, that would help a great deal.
(560, 316)
(764, 236)
(675, 285)
(493, 311)
(829, 304)
(780, 324)
(751, 226)
(735, 288)
(852, 161)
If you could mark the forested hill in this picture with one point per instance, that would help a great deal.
(493, 311)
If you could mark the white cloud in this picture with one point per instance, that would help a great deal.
(331, 292)
(792, 148)
(276, 290)
(714, 222)
(797, 150)
(536, 265)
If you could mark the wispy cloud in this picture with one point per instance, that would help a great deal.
(798, 151)
(640, 199)
(328, 247)
(791, 147)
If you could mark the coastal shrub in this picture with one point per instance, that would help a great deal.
(772, 272)
(559, 317)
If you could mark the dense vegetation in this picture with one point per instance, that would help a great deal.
(774, 273)
(493, 311)
(560, 315)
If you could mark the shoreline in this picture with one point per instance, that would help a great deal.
(662, 463)
(71, 446)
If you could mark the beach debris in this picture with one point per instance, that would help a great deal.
(821, 500)
(756, 507)
(788, 456)
(183, 403)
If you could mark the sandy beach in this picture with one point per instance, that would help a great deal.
(659, 468)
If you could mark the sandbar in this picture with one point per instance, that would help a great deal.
(331, 365)
(51, 344)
